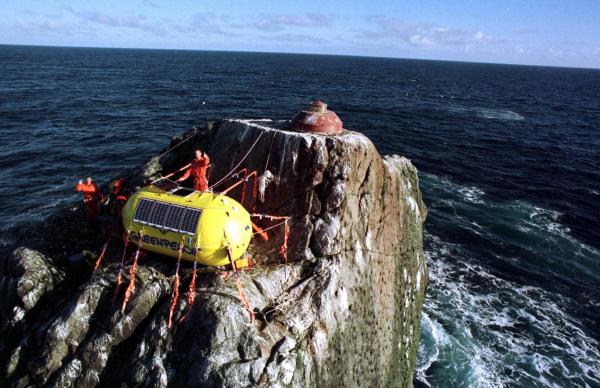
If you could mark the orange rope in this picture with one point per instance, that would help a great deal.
(283, 249)
(245, 180)
(121, 267)
(174, 299)
(239, 284)
(101, 254)
(175, 296)
(131, 286)
(191, 292)
(244, 188)
(232, 187)
(270, 227)
(285, 240)
(254, 191)
(243, 296)
(259, 231)
(273, 218)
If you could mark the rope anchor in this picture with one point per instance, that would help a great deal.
(101, 256)
(175, 292)
(286, 230)
(131, 287)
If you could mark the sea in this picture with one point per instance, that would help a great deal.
(508, 159)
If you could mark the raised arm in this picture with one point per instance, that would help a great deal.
(206, 160)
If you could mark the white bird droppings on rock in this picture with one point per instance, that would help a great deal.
(358, 256)
(412, 204)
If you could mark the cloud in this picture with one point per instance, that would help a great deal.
(197, 26)
(555, 52)
(149, 3)
(204, 23)
(48, 25)
(278, 22)
(423, 34)
(295, 38)
(201, 23)
(138, 22)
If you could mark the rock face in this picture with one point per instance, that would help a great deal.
(342, 310)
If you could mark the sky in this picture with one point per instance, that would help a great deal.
(534, 32)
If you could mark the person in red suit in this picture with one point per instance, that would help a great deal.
(197, 168)
(92, 195)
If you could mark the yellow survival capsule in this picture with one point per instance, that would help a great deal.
(206, 223)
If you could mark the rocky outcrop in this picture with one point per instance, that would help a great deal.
(343, 309)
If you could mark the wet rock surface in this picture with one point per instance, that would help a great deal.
(342, 310)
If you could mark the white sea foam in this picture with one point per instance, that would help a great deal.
(472, 194)
(547, 220)
(498, 114)
(491, 325)
(486, 113)
(449, 192)
(427, 355)
(516, 223)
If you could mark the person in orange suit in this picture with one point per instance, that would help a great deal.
(92, 195)
(197, 168)
(115, 201)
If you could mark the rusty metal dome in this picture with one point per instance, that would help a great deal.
(317, 119)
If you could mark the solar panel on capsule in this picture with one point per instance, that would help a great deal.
(167, 216)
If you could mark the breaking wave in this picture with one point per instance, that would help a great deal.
(480, 330)
(482, 325)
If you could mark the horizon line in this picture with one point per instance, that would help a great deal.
(299, 53)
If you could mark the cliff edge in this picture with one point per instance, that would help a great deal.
(342, 310)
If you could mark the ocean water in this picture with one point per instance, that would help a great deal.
(509, 161)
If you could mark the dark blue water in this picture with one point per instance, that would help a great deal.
(509, 160)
